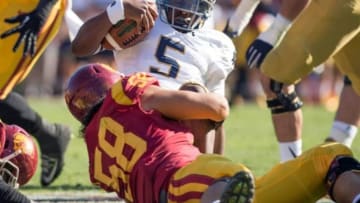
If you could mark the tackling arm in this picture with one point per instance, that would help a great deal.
(184, 105)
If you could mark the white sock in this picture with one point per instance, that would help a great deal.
(356, 199)
(343, 133)
(290, 150)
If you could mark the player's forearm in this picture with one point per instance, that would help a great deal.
(187, 107)
(90, 35)
(183, 105)
(290, 9)
(242, 15)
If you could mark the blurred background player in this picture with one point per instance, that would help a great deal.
(287, 120)
(347, 120)
(35, 26)
(161, 147)
(172, 51)
(18, 162)
(285, 105)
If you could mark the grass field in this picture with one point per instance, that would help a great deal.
(250, 140)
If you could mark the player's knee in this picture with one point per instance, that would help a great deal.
(285, 99)
(338, 166)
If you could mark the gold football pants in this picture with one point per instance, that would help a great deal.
(322, 30)
(297, 181)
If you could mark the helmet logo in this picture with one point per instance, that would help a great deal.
(20, 144)
(80, 104)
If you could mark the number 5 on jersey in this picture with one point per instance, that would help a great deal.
(162, 57)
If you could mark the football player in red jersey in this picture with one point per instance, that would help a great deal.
(172, 50)
(140, 147)
(18, 162)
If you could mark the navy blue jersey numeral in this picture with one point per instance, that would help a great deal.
(161, 56)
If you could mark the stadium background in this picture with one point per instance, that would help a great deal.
(250, 135)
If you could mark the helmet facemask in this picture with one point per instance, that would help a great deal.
(19, 157)
(9, 172)
(185, 15)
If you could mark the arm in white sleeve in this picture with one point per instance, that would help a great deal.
(242, 15)
(276, 30)
(73, 23)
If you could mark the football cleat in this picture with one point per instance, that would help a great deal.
(240, 189)
(53, 145)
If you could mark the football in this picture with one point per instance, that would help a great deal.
(124, 34)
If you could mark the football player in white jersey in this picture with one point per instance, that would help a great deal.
(178, 49)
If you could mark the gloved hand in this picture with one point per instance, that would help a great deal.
(262, 45)
(29, 26)
(257, 51)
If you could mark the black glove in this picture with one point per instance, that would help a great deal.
(29, 26)
(257, 52)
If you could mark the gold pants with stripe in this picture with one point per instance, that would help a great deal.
(324, 29)
(296, 181)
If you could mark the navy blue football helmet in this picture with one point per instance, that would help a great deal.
(185, 15)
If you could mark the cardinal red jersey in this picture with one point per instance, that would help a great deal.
(132, 151)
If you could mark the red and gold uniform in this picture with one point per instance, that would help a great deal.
(138, 154)
(14, 66)
(323, 29)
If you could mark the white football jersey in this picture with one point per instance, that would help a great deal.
(205, 56)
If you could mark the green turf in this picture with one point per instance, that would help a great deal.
(250, 140)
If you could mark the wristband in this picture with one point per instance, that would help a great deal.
(115, 11)
(242, 15)
(276, 30)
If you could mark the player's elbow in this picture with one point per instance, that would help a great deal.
(222, 110)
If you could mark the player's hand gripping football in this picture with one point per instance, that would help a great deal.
(29, 26)
(144, 12)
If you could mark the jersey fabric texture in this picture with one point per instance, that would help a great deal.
(134, 152)
(205, 56)
(14, 66)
